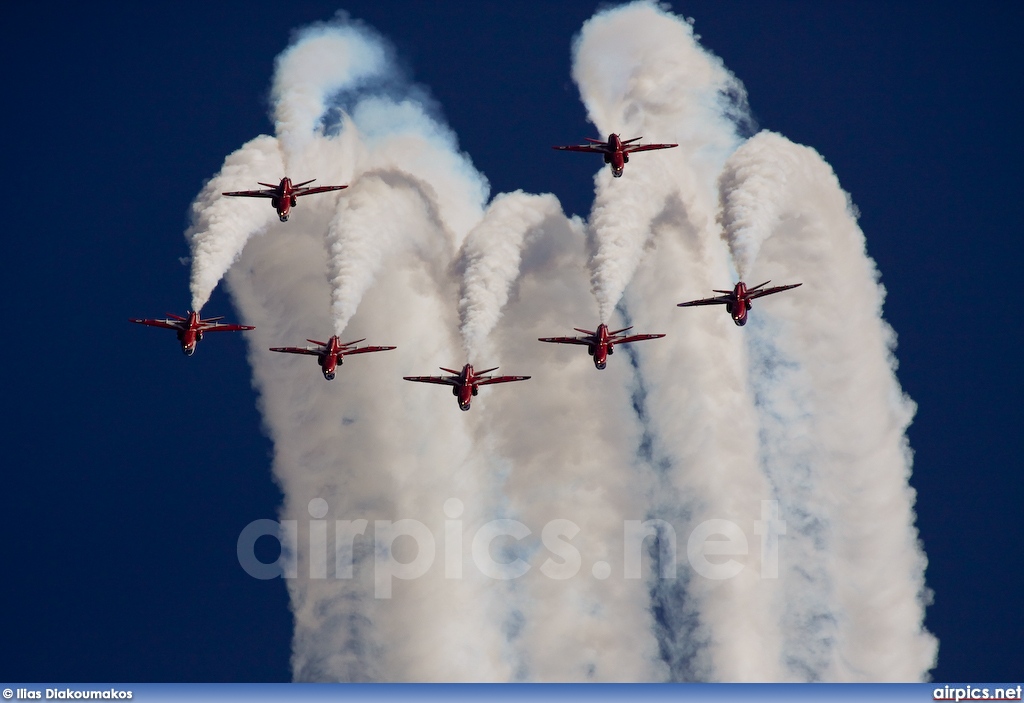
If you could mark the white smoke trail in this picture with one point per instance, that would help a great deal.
(490, 260)
(407, 159)
(385, 214)
(324, 60)
(834, 431)
(221, 226)
(753, 188)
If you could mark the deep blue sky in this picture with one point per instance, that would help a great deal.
(129, 470)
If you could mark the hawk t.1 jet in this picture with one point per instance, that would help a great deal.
(283, 195)
(616, 151)
(330, 354)
(191, 328)
(737, 300)
(466, 383)
(601, 344)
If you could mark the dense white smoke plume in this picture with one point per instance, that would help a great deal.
(833, 423)
(325, 61)
(797, 418)
(221, 226)
(754, 188)
(490, 262)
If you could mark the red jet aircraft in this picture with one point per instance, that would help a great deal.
(466, 383)
(601, 344)
(616, 151)
(330, 354)
(191, 329)
(737, 300)
(283, 195)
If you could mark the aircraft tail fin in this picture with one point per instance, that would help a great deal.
(579, 329)
(313, 341)
(450, 370)
(630, 141)
(268, 185)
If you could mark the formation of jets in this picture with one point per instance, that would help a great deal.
(465, 384)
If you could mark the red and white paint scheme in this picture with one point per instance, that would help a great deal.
(616, 151)
(331, 354)
(601, 344)
(737, 300)
(283, 195)
(466, 383)
(191, 328)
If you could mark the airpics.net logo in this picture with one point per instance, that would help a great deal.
(711, 548)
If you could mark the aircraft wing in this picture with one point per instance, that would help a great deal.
(317, 189)
(717, 300)
(501, 379)
(312, 351)
(566, 340)
(647, 147)
(264, 193)
(167, 324)
(223, 327)
(442, 380)
(773, 289)
(602, 147)
(637, 338)
(364, 350)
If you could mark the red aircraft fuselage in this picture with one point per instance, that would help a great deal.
(617, 158)
(190, 335)
(330, 359)
(466, 388)
(602, 349)
(740, 304)
(284, 201)
(334, 356)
